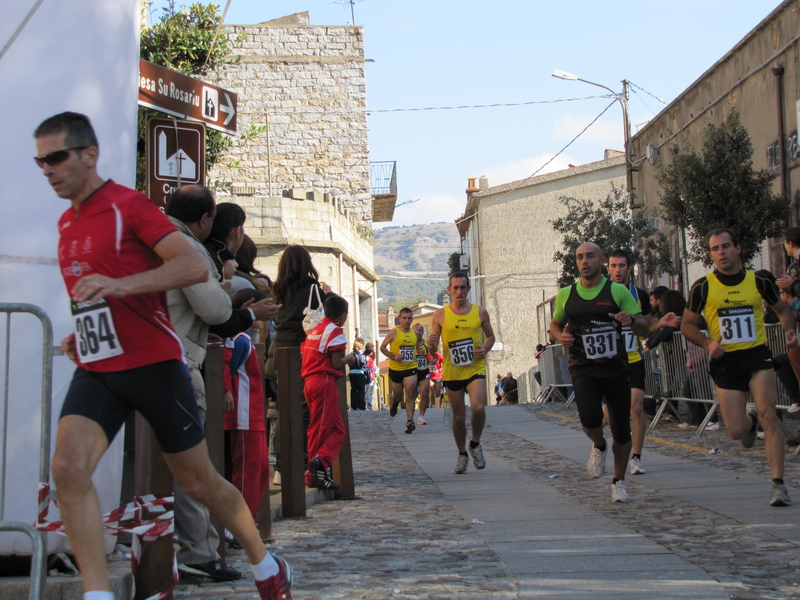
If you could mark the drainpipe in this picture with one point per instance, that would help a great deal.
(777, 71)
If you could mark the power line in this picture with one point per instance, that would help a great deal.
(386, 110)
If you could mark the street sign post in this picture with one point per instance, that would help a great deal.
(176, 155)
(182, 96)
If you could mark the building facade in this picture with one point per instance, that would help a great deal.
(300, 167)
(758, 78)
(511, 243)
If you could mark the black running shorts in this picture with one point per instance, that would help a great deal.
(589, 393)
(161, 392)
(423, 374)
(637, 375)
(733, 370)
(399, 376)
(456, 385)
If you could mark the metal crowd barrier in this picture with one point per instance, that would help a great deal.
(39, 554)
(666, 376)
(555, 378)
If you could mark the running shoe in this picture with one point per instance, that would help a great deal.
(712, 426)
(461, 465)
(597, 462)
(421, 421)
(761, 435)
(218, 570)
(619, 491)
(749, 438)
(636, 467)
(477, 456)
(393, 410)
(277, 587)
(793, 408)
(410, 426)
(780, 496)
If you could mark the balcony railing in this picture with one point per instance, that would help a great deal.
(383, 176)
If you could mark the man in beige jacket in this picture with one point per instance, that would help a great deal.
(195, 310)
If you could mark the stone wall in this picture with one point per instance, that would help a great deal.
(513, 244)
(299, 165)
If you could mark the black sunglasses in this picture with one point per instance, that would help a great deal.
(57, 157)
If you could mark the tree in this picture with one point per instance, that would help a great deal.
(182, 40)
(454, 263)
(609, 224)
(721, 188)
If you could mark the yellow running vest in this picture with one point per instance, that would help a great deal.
(735, 313)
(461, 336)
(633, 343)
(406, 344)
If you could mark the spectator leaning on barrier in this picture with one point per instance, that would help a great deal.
(729, 299)
(193, 311)
(790, 284)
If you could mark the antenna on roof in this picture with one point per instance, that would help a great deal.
(351, 3)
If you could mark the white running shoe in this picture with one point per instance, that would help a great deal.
(421, 421)
(712, 426)
(793, 408)
(597, 462)
(619, 491)
(636, 467)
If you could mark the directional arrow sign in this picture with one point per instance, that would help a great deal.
(182, 96)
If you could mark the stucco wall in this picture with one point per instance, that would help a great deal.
(514, 244)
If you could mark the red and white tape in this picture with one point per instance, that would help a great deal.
(131, 515)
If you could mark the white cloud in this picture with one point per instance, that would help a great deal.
(522, 169)
(430, 209)
(607, 130)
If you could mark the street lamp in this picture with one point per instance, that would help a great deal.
(417, 199)
(621, 97)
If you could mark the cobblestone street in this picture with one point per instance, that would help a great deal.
(403, 538)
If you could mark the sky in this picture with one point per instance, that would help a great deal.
(444, 53)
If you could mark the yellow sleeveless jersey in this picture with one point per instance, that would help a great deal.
(461, 336)
(405, 344)
(633, 343)
(735, 313)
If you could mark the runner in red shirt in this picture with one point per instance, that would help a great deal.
(118, 255)
(323, 361)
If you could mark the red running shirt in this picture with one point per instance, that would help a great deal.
(113, 234)
(320, 343)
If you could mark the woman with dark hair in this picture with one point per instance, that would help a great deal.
(247, 276)
(296, 281)
(227, 232)
(358, 379)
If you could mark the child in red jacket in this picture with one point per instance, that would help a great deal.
(244, 410)
(323, 361)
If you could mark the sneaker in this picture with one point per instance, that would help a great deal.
(410, 426)
(477, 456)
(619, 491)
(217, 570)
(319, 476)
(761, 435)
(685, 426)
(780, 497)
(277, 587)
(421, 421)
(597, 462)
(277, 479)
(232, 541)
(461, 465)
(749, 438)
(793, 408)
(393, 410)
(636, 467)
(712, 426)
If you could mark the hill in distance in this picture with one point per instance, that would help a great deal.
(412, 260)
